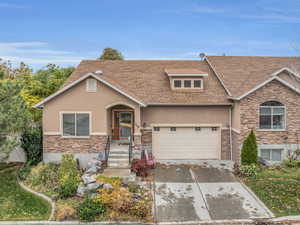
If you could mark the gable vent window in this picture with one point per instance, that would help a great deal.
(197, 84)
(187, 83)
(177, 83)
(197, 128)
(91, 85)
(173, 129)
(214, 128)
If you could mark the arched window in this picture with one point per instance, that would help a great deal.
(272, 115)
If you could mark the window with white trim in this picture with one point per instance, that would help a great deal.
(91, 85)
(76, 124)
(272, 116)
(187, 83)
(271, 154)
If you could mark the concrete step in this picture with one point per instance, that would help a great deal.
(117, 172)
(118, 156)
(117, 160)
(118, 164)
(119, 151)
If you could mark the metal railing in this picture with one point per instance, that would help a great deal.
(107, 149)
(130, 149)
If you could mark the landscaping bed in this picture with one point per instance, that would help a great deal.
(89, 195)
(278, 187)
(15, 202)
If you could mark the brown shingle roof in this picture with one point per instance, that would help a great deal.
(189, 71)
(146, 80)
(240, 74)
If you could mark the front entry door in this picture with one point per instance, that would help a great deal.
(122, 125)
(125, 124)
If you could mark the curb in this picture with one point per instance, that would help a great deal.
(52, 203)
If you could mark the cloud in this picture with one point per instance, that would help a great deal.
(36, 53)
(261, 13)
(13, 6)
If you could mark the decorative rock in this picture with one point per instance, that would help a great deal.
(92, 170)
(129, 179)
(93, 186)
(87, 178)
(92, 195)
(94, 162)
(107, 186)
(81, 190)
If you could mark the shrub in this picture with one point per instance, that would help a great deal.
(69, 176)
(32, 143)
(249, 150)
(119, 199)
(141, 209)
(114, 181)
(248, 170)
(24, 172)
(65, 212)
(89, 209)
(44, 177)
(140, 167)
(293, 159)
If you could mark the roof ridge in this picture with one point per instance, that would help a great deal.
(253, 56)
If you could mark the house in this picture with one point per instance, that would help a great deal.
(179, 109)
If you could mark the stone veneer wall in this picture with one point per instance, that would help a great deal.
(249, 108)
(236, 147)
(58, 144)
(225, 144)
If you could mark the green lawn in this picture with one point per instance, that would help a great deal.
(279, 189)
(15, 202)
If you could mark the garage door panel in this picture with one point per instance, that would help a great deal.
(186, 143)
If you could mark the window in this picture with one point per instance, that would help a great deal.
(91, 85)
(272, 115)
(197, 84)
(177, 83)
(156, 129)
(187, 83)
(173, 129)
(214, 128)
(76, 124)
(197, 128)
(271, 154)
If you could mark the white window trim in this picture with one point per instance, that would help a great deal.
(75, 112)
(88, 88)
(271, 149)
(188, 88)
(272, 129)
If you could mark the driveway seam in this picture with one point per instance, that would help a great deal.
(206, 204)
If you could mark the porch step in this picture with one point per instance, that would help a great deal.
(118, 165)
(118, 152)
(118, 156)
(117, 172)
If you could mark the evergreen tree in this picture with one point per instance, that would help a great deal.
(111, 54)
(249, 150)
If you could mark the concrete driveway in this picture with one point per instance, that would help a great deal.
(199, 193)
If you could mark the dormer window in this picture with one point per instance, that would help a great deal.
(195, 83)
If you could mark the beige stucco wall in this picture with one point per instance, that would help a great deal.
(186, 115)
(78, 99)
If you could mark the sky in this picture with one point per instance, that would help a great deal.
(65, 32)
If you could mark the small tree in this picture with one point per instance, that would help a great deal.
(249, 150)
(111, 54)
(14, 117)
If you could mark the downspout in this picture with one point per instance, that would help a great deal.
(230, 132)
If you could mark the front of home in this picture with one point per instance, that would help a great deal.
(179, 110)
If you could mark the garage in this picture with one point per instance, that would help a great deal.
(186, 142)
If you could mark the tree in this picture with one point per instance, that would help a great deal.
(249, 150)
(111, 54)
(14, 116)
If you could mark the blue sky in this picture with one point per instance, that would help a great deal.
(65, 31)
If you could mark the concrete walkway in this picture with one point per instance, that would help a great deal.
(185, 194)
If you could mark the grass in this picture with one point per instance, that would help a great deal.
(278, 188)
(16, 203)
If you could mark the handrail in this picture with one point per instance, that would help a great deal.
(130, 149)
(107, 149)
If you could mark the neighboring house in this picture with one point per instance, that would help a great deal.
(178, 109)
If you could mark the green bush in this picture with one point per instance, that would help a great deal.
(293, 159)
(248, 170)
(249, 150)
(69, 176)
(32, 143)
(89, 210)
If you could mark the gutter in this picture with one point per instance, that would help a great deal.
(189, 104)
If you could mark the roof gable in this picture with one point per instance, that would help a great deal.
(80, 79)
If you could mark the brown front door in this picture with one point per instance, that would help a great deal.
(123, 125)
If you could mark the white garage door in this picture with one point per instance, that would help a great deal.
(186, 143)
